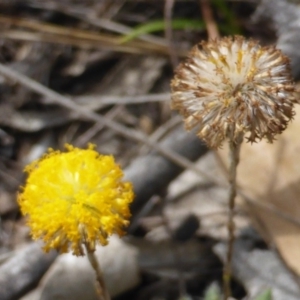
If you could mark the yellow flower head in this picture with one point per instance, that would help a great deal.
(75, 197)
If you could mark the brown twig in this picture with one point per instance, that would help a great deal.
(161, 131)
(84, 138)
(169, 32)
(47, 32)
(211, 26)
(135, 47)
(99, 101)
(92, 116)
(87, 15)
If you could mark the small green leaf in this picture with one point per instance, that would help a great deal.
(213, 293)
(266, 295)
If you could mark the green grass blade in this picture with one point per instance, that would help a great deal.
(266, 295)
(212, 293)
(231, 23)
(159, 25)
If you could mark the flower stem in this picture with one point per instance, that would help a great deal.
(102, 290)
(234, 151)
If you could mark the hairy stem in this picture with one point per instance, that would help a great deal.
(234, 151)
(101, 290)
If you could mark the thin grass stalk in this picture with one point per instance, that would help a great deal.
(234, 154)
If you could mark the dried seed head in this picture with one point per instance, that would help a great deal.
(232, 86)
